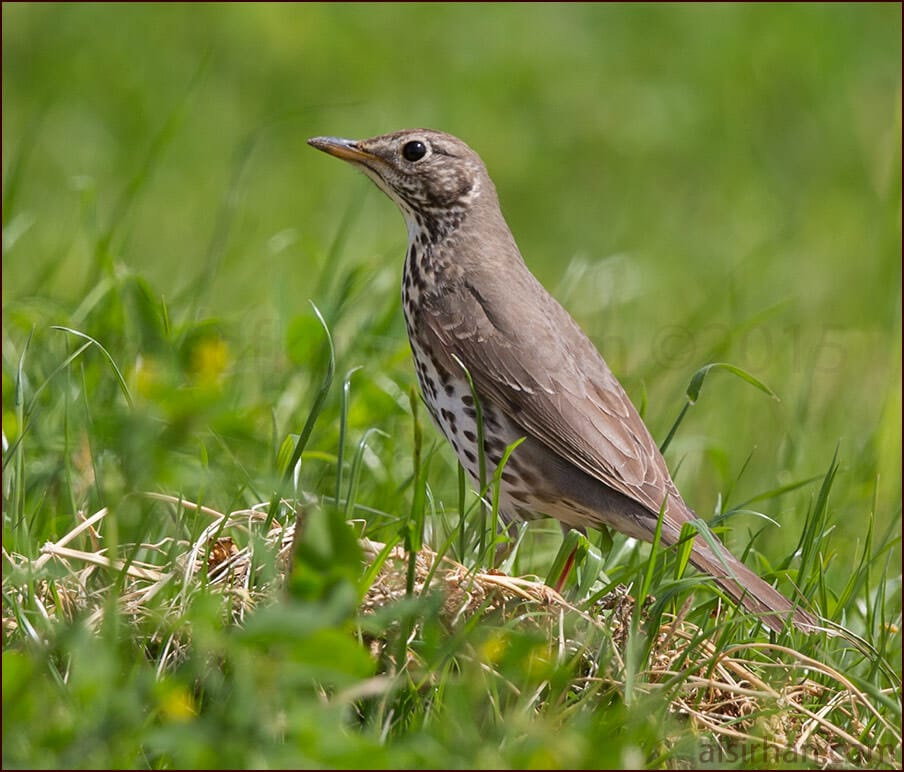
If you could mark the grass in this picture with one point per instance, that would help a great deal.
(231, 537)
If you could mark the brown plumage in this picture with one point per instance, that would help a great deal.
(469, 299)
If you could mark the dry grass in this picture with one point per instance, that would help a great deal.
(754, 693)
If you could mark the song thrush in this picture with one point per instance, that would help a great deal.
(470, 301)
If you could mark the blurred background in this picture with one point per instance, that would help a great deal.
(695, 183)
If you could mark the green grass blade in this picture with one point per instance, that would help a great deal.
(319, 400)
(695, 386)
(343, 428)
(123, 386)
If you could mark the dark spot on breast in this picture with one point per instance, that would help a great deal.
(494, 445)
(530, 479)
(526, 514)
(510, 477)
(467, 399)
(433, 228)
(470, 436)
(562, 501)
(443, 373)
(450, 389)
(449, 418)
(414, 272)
(491, 418)
(470, 456)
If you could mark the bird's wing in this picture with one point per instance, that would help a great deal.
(528, 356)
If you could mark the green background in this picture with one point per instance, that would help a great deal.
(696, 183)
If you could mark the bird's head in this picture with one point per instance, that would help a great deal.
(432, 176)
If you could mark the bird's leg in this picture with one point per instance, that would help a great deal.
(566, 570)
(561, 569)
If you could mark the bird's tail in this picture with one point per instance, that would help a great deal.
(748, 589)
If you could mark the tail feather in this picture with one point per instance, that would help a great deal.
(754, 594)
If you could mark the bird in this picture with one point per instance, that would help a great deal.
(481, 325)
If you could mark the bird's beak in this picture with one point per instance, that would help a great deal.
(346, 149)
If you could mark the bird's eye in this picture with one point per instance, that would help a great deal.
(414, 151)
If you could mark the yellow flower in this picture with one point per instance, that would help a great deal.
(210, 359)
